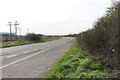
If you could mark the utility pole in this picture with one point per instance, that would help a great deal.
(19, 30)
(28, 30)
(16, 28)
(19, 33)
(10, 31)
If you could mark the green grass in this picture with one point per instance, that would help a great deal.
(50, 39)
(78, 63)
(15, 43)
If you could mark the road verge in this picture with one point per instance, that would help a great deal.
(78, 63)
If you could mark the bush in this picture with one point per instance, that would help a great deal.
(33, 37)
(78, 67)
(103, 38)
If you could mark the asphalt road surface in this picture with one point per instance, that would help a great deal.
(33, 60)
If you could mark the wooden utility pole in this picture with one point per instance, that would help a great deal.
(16, 28)
(28, 30)
(19, 33)
(19, 30)
(10, 31)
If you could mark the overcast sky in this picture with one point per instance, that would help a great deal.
(51, 17)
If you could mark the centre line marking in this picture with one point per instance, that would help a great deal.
(26, 57)
(11, 56)
(36, 49)
(26, 52)
(42, 48)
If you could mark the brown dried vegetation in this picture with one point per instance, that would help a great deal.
(103, 39)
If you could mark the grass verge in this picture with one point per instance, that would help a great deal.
(78, 63)
(50, 39)
(15, 43)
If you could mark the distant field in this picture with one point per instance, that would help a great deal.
(2, 37)
(15, 43)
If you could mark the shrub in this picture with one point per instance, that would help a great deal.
(103, 38)
(33, 37)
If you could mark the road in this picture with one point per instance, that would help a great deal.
(33, 60)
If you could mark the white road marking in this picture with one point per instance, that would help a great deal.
(36, 49)
(26, 52)
(24, 58)
(11, 56)
(29, 56)
(48, 69)
(48, 46)
(42, 48)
